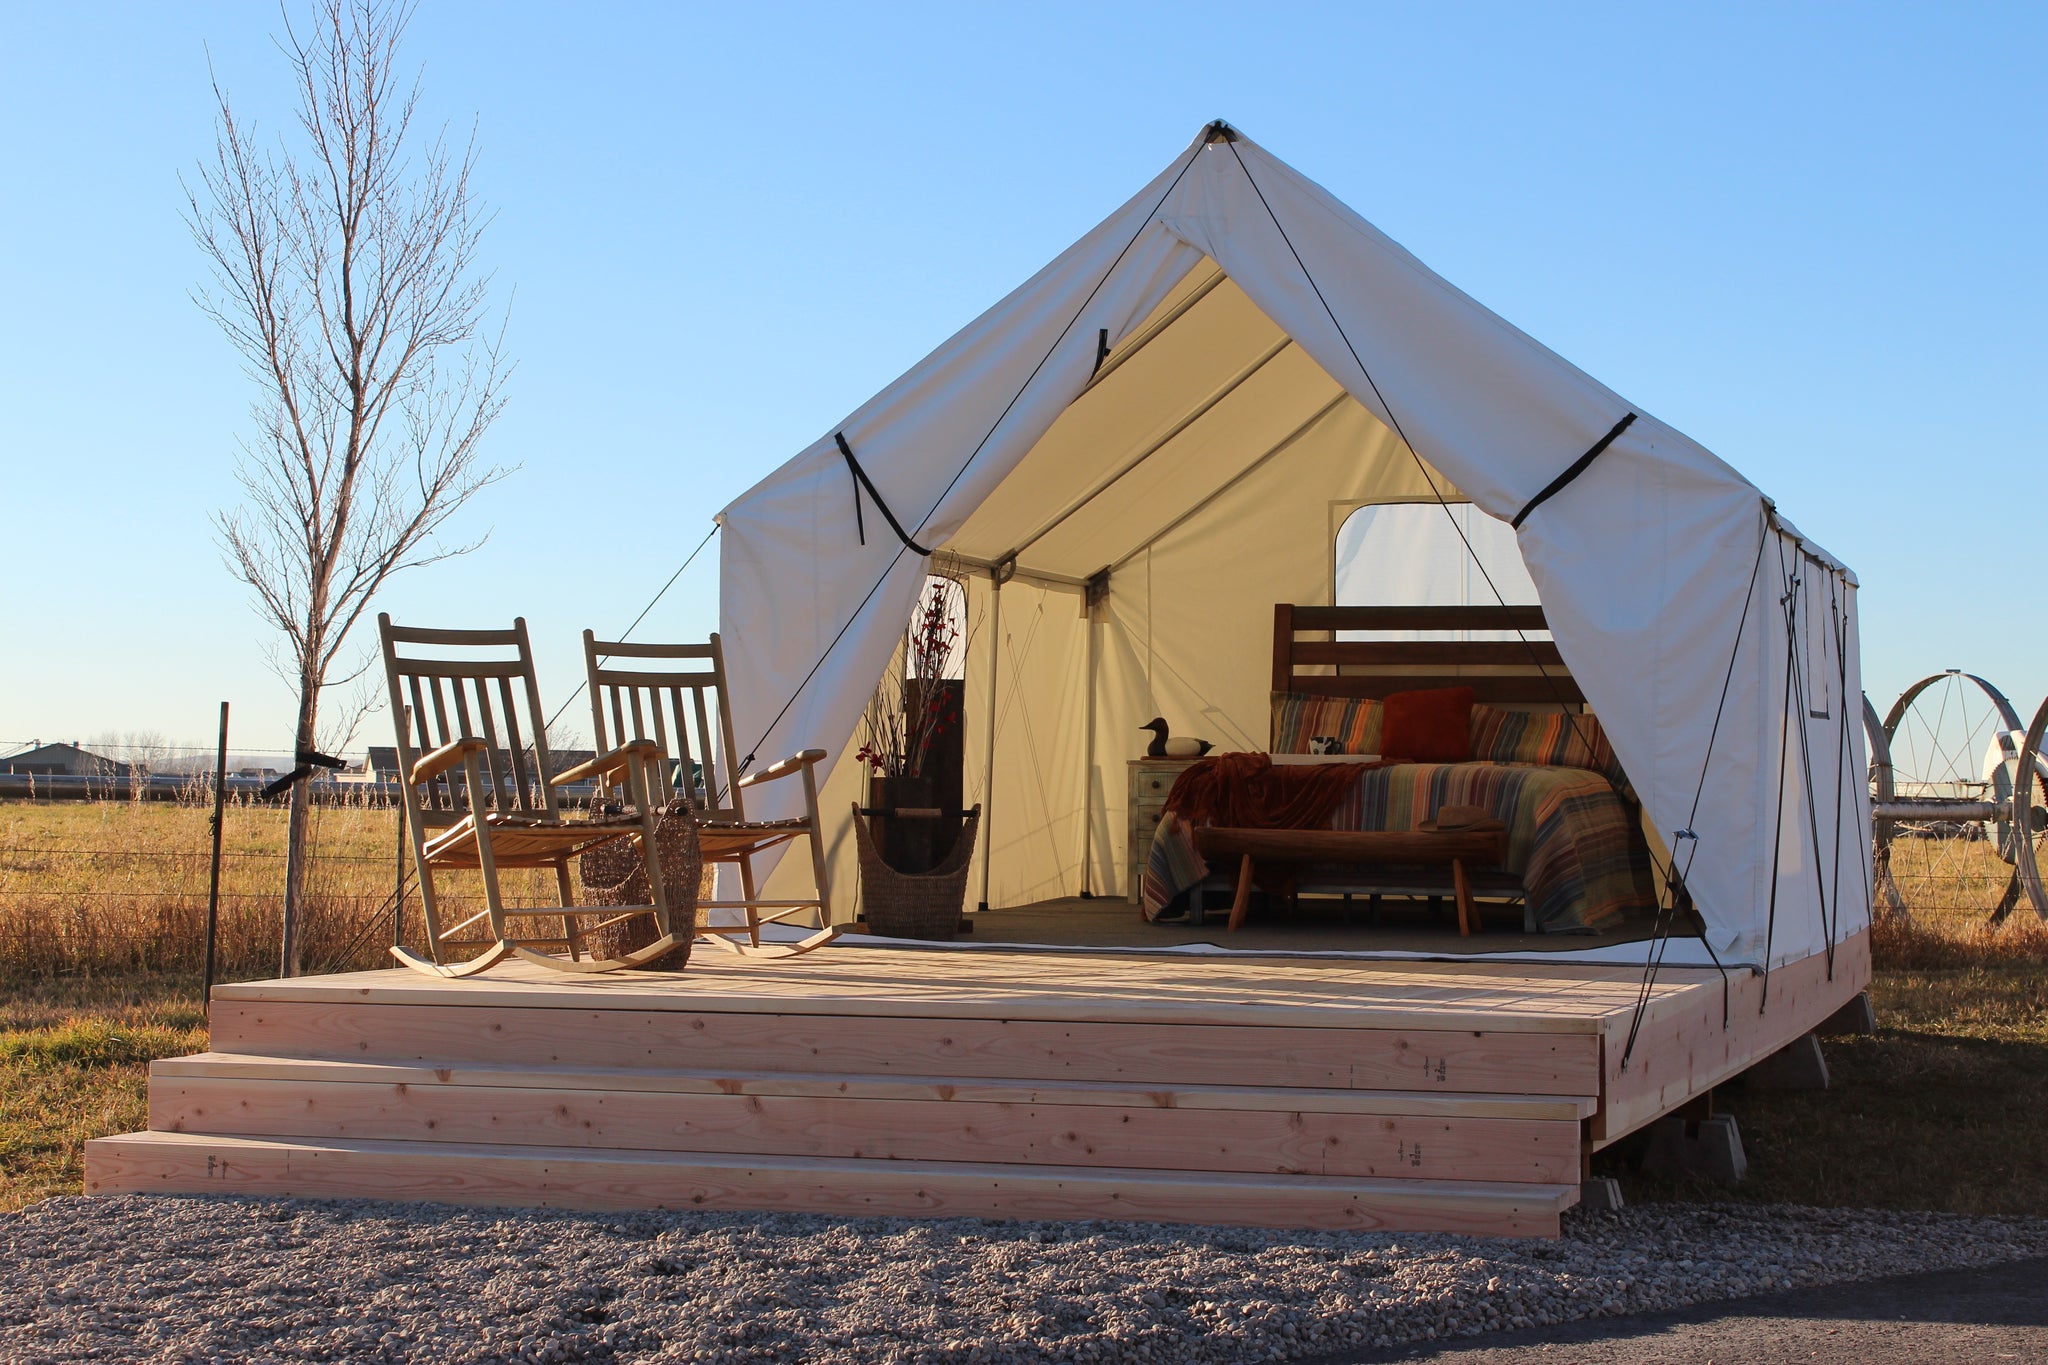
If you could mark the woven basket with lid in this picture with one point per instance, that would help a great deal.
(615, 874)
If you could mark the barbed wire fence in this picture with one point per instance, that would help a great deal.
(120, 885)
(117, 883)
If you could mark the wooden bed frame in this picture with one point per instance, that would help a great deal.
(1526, 672)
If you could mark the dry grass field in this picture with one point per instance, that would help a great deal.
(74, 1064)
(102, 909)
(89, 888)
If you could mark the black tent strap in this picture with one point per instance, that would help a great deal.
(861, 480)
(1557, 484)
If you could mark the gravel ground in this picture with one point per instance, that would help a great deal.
(203, 1279)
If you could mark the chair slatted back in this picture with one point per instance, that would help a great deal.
(486, 692)
(675, 696)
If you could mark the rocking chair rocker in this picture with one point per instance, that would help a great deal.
(480, 796)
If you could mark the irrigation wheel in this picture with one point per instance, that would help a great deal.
(2021, 838)
(1887, 898)
(1937, 744)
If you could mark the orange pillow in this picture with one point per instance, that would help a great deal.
(1433, 726)
(1299, 719)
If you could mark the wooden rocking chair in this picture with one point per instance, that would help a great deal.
(673, 698)
(479, 797)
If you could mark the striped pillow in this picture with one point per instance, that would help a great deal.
(1299, 717)
(1502, 736)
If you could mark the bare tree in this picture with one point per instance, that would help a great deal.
(343, 260)
(143, 751)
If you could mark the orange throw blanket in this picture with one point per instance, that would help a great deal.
(1246, 791)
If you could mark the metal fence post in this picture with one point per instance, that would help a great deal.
(398, 895)
(220, 794)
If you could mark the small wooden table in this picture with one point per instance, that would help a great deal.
(1480, 845)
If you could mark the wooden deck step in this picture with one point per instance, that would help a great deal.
(254, 1066)
(560, 1177)
(1281, 1131)
(1472, 1060)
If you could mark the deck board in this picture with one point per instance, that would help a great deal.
(1455, 1055)
(218, 1065)
(906, 983)
(1278, 1139)
(541, 1177)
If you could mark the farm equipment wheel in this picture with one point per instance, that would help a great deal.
(1929, 751)
(2027, 831)
(1882, 789)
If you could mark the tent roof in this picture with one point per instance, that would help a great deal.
(1205, 392)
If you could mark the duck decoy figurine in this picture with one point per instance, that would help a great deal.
(1165, 746)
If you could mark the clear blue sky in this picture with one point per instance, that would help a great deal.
(1811, 237)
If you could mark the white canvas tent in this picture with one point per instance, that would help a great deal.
(1193, 397)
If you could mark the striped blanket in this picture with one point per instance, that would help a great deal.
(1574, 843)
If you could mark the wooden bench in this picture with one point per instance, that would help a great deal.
(1456, 847)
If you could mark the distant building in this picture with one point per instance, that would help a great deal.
(63, 760)
(361, 773)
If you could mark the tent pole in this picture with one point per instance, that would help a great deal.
(1088, 755)
(988, 771)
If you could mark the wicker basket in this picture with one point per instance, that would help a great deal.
(922, 905)
(615, 874)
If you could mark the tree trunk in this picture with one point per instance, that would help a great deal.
(296, 831)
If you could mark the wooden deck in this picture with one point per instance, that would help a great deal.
(1265, 1091)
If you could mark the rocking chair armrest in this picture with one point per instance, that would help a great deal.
(447, 756)
(795, 763)
(632, 751)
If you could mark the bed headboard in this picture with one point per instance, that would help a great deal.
(1495, 670)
